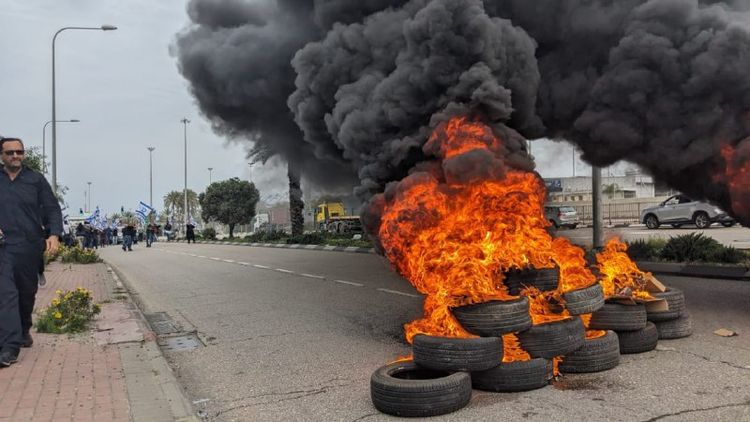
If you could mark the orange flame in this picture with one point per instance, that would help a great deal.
(405, 358)
(556, 365)
(619, 272)
(512, 351)
(540, 307)
(738, 179)
(591, 334)
(454, 241)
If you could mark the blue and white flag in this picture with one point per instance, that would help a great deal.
(143, 211)
(93, 217)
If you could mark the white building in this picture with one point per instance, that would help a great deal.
(574, 189)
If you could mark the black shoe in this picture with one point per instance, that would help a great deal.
(7, 359)
(27, 341)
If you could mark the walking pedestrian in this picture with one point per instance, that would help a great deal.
(26, 203)
(190, 232)
(128, 233)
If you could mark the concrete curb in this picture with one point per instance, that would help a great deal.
(351, 249)
(155, 385)
(732, 272)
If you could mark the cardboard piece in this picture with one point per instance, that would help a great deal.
(652, 305)
(723, 332)
(653, 285)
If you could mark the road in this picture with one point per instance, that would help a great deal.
(737, 236)
(295, 335)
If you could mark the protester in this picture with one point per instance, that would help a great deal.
(168, 231)
(190, 232)
(151, 231)
(26, 203)
(128, 233)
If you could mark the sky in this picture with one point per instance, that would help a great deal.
(125, 89)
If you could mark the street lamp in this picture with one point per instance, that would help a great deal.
(210, 169)
(54, 112)
(150, 177)
(185, 122)
(44, 141)
(89, 204)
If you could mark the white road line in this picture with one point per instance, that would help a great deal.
(284, 271)
(261, 266)
(396, 292)
(228, 260)
(320, 277)
(243, 263)
(215, 259)
(351, 283)
(200, 256)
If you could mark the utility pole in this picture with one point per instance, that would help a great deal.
(89, 204)
(150, 177)
(210, 169)
(185, 122)
(596, 190)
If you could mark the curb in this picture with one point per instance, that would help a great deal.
(178, 403)
(351, 249)
(731, 272)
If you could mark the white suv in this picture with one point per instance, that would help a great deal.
(679, 210)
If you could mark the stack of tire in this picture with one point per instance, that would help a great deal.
(675, 322)
(444, 370)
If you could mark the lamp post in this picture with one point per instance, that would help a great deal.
(210, 169)
(185, 122)
(44, 141)
(54, 112)
(150, 177)
(89, 204)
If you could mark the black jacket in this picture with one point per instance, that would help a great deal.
(28, 208)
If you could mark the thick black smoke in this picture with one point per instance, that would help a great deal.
(661, 83)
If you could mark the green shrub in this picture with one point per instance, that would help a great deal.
(267, 236)
(646, 250)
(69, 312)
(729, 255)
(209, 233)
(79, 256)
(690, 247)
(314, 238)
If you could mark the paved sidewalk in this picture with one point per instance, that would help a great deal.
(96, 376)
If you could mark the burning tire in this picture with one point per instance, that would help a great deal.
(552, 339)
(676, 328)
(404, 389)
(584, 301)
(597, 354)
(514, 376)
(495, 318)
(638, 341)
(544, 279)
(619, 317)
(676, 302)
(457, 354)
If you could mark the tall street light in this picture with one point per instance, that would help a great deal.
(44, 141)
(210, 169)
(185, 122)
(54, 112)
(150, 177)
(89, 204)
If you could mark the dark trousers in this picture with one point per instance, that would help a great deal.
(10, 317)
(27, 263)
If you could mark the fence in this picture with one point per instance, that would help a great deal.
(614, 212)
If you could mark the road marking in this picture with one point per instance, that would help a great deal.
(313, 276)
(261, 266)
(284, 271)
(215, 259)
(200, 256)
(228, 260)
(351, 283)
(397, 292)
(243, 263)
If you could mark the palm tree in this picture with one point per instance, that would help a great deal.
(174, 203)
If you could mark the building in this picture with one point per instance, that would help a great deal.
(578, 189)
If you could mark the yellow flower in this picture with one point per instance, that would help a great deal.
(58, 292)
(58, 315)
(55, 302)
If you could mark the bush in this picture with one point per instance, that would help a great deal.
(307, 239)
(691, 247)
(79, 256)
(69, 312)
(267, 236)
(729, 255)
(209, 233)
(646, 250)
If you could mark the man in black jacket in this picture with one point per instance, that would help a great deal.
(26, 204)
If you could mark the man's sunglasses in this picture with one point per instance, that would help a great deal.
(14, 152)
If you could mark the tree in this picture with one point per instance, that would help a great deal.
(611, 190)
(230, 202)
(174, 203)
(33, 159)
(296, 205)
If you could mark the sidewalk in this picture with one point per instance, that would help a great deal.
(115, 372)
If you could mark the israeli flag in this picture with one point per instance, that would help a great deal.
(93, 217)
(143, 211)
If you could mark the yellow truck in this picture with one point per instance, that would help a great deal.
(331, 217)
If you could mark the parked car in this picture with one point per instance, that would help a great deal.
(679, 210)
(561, 216)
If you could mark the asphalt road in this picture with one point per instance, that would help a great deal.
(737, 236)
(295, 335)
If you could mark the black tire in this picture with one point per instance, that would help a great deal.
(457, 354)
(676, 328)
(701, 220)
(404, 389)
(619, 317)
(544, 279)
(676, 302)
(638, 341)
(651, 222)
(584, 301)
(553, 338)
(728, 223)
(597, 354)
(514, 376)
(495, 318)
